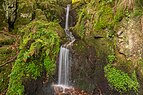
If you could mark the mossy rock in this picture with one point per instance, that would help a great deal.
(104, 17)
(38, 49)
(53, 11)
(25, 12)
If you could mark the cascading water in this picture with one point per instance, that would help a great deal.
(64, 58)
(64, 67)
(64, 62)
(68, 33)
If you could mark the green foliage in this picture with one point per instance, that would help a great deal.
(118, 15)
(97, 16)
(53, 11)
(111, 58)
(105, 17)
(80, 26)
(4, 72)
(137, 12)
(120, 80)
(38, 49)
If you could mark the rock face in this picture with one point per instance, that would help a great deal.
(89, 59)
(130, 39)
(118, 36)
(130, 46)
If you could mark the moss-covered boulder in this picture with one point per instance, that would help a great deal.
(25, 12)
(38, 49)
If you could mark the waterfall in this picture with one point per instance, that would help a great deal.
(64, 67)
(67, 19)
(64, 59)
(68, 33)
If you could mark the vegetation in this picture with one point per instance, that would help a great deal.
(38, 49)
(121, 81)
(111, 58)
(95, 24)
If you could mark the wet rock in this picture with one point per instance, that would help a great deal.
(89, 59)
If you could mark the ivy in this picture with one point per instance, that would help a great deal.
(38, 49)
(120, 80)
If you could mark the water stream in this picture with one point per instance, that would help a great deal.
(64, 58)
(64, 67)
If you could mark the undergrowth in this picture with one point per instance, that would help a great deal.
(120, 80)
(38, 49)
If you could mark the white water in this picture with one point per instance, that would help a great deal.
(64, 59)
(68, 33)
(67, 18)
(64, 67)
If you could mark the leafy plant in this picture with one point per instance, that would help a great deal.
(120, 80)
(111, 58)
(38, 49)
(80, 26)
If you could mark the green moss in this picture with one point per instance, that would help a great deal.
(118, 15)
(3, 21)
(120, 80)
(6, 54)
(105, 17)
(94, 18)
(53, 11)
(80, 26)
(25, 12)
(137, 12)
(38, 49)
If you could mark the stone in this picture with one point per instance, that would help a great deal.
(129, 41)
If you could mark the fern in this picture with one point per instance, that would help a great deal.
(38, 49)
(121, 81)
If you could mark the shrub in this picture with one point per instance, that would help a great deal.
(120, 80)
